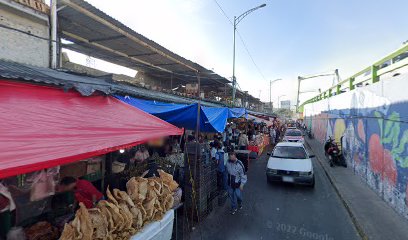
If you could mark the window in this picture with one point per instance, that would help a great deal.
(289, 152)
(293, 133)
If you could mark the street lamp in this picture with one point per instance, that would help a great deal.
(279, 99)
(236, 21)
(270, 91)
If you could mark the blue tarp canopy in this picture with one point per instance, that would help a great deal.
(212, 119)
(236, 112)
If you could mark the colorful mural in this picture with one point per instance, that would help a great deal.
(374, 141)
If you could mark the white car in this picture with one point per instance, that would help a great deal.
(293, 135)
(290, 162)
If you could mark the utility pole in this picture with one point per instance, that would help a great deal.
(234, 80)
(237, 20)
(270, 92)
(297, 95)
(335, 73)
(53, 13)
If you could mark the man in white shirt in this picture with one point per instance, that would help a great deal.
(243, 142)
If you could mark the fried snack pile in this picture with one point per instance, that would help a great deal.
(123, 214)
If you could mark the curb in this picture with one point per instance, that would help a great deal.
(354, 220)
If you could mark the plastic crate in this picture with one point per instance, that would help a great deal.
(195, 148)
(222, 198)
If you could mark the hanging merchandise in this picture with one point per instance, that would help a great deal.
(6, 201)
(118, 167)
(43, 185)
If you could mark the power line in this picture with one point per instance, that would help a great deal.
(242, 40)
(223, 12)
(250, 55)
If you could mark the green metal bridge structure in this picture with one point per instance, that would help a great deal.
(369, 75)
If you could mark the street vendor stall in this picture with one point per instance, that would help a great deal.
(259, 143)
(44, 127)
(142, 211)
(47, 134)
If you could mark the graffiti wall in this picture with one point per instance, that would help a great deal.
(371, 124)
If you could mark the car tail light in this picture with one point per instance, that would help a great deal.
(272, 171)
(305, 174)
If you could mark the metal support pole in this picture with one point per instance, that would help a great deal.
(171, 82)
(374, 75)
(197, 149)
(225, 93)
(234, 81)
(298, 92)
(336, 73)
(270, 94)
(198, 107)
(53, 13)
(351, 84)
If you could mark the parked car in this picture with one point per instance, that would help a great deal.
(293, 135)
(290, 162)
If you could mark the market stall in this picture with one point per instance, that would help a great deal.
(49, 135)
(259, 143)
(143, 211)
(43, 127)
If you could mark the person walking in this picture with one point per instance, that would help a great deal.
(243, 141)
(221, 171)
(272, 134)
(236, 180)
(278, 133)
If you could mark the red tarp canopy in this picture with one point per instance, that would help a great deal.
(42, 127)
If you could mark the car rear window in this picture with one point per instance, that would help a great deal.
(293, 133)
(289, 152)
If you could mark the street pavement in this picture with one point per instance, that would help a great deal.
(373, 217)
(281, 211)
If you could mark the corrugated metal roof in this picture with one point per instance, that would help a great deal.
(97, 34)
(84, 84)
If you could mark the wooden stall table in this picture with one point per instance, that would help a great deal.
(243, 155)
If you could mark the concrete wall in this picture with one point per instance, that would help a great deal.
(19, 47)
(373, 121)
(78, 68)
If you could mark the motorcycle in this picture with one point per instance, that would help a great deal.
(309, 133)
(332, 151)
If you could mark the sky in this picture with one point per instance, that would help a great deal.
(286, 39)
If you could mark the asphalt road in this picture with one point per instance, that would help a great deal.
(281, 211)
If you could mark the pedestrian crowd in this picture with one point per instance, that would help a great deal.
(231, 173)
